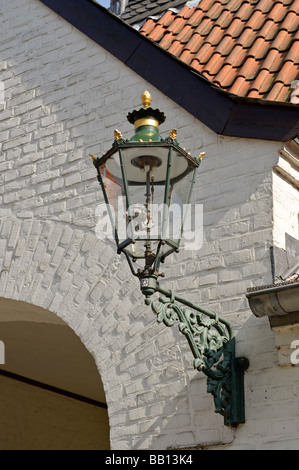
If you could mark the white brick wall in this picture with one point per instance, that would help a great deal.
(65, 95)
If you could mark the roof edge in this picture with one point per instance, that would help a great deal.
(224, 113)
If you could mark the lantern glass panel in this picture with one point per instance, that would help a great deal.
(147, 187)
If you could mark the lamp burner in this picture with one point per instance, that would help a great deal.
(146, 161)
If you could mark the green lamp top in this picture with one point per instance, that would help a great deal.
(146, 121)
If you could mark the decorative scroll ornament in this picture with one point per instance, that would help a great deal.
(212, 344)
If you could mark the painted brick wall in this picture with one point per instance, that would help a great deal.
(64, 96)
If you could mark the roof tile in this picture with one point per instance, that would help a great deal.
(205, 5)
(236, 27)
(237, 56)
(256, 21)
(225, 19)
(176, 48)
(185, 34)
(282, 40)
(215, 64)
(158, 33)
(194, 43)
(226, 76)
(275, 91)
(262, 82)
(259, 49)
(176, 26)
(166, 40)
(278, 12)
(215, 11)
(204, 27)
(205, 53)
(247, 38)
(185, 12)
(248, 69)
(245, 11)
(290, 22)
(246, 47)
(287, 74)
(215, 35)
(195, 18)
(226, 46)
(269, 30)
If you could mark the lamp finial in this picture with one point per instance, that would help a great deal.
(146, 99)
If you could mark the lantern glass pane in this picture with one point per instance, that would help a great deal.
(114, 193)
(147, 188)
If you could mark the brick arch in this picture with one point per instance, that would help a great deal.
(69, 272)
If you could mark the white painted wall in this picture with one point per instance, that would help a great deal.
(64, 96)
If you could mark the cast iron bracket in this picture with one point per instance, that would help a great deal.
(212, 342)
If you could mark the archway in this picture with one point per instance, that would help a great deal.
(52, 395)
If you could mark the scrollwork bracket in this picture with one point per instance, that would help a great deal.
(212, 342)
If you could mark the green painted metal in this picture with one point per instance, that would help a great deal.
(212, 342)
(210, 336)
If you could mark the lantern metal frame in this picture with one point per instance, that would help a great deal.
(210, 336)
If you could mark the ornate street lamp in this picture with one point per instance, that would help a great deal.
(147, 183)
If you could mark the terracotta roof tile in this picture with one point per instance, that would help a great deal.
(293, 53)
(236, 27)
(215, 36)
(194, 43)
(256, 20)
(269, 30)
(275, 91)
(204, 27)
(264, 5)
(215, 11)
(177, 26)
(185, 34)
(259, 48)
(215, 64)
(290, 22)
(176, 48)
(167, 40)
(166, 19)
(245, 11)
(278, 12)
(205, 5)
(225, 19)
(195, 19)
(187, 57)
(247, 47)
(282, 40)
(237, 56)
(225, 77)
(286, 74)
(262, 82)
(205, 53)
(225, 46)
(185, 12)
(158, 33)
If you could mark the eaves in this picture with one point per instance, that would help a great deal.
(224, 113)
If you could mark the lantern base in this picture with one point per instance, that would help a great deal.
(148, 285)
